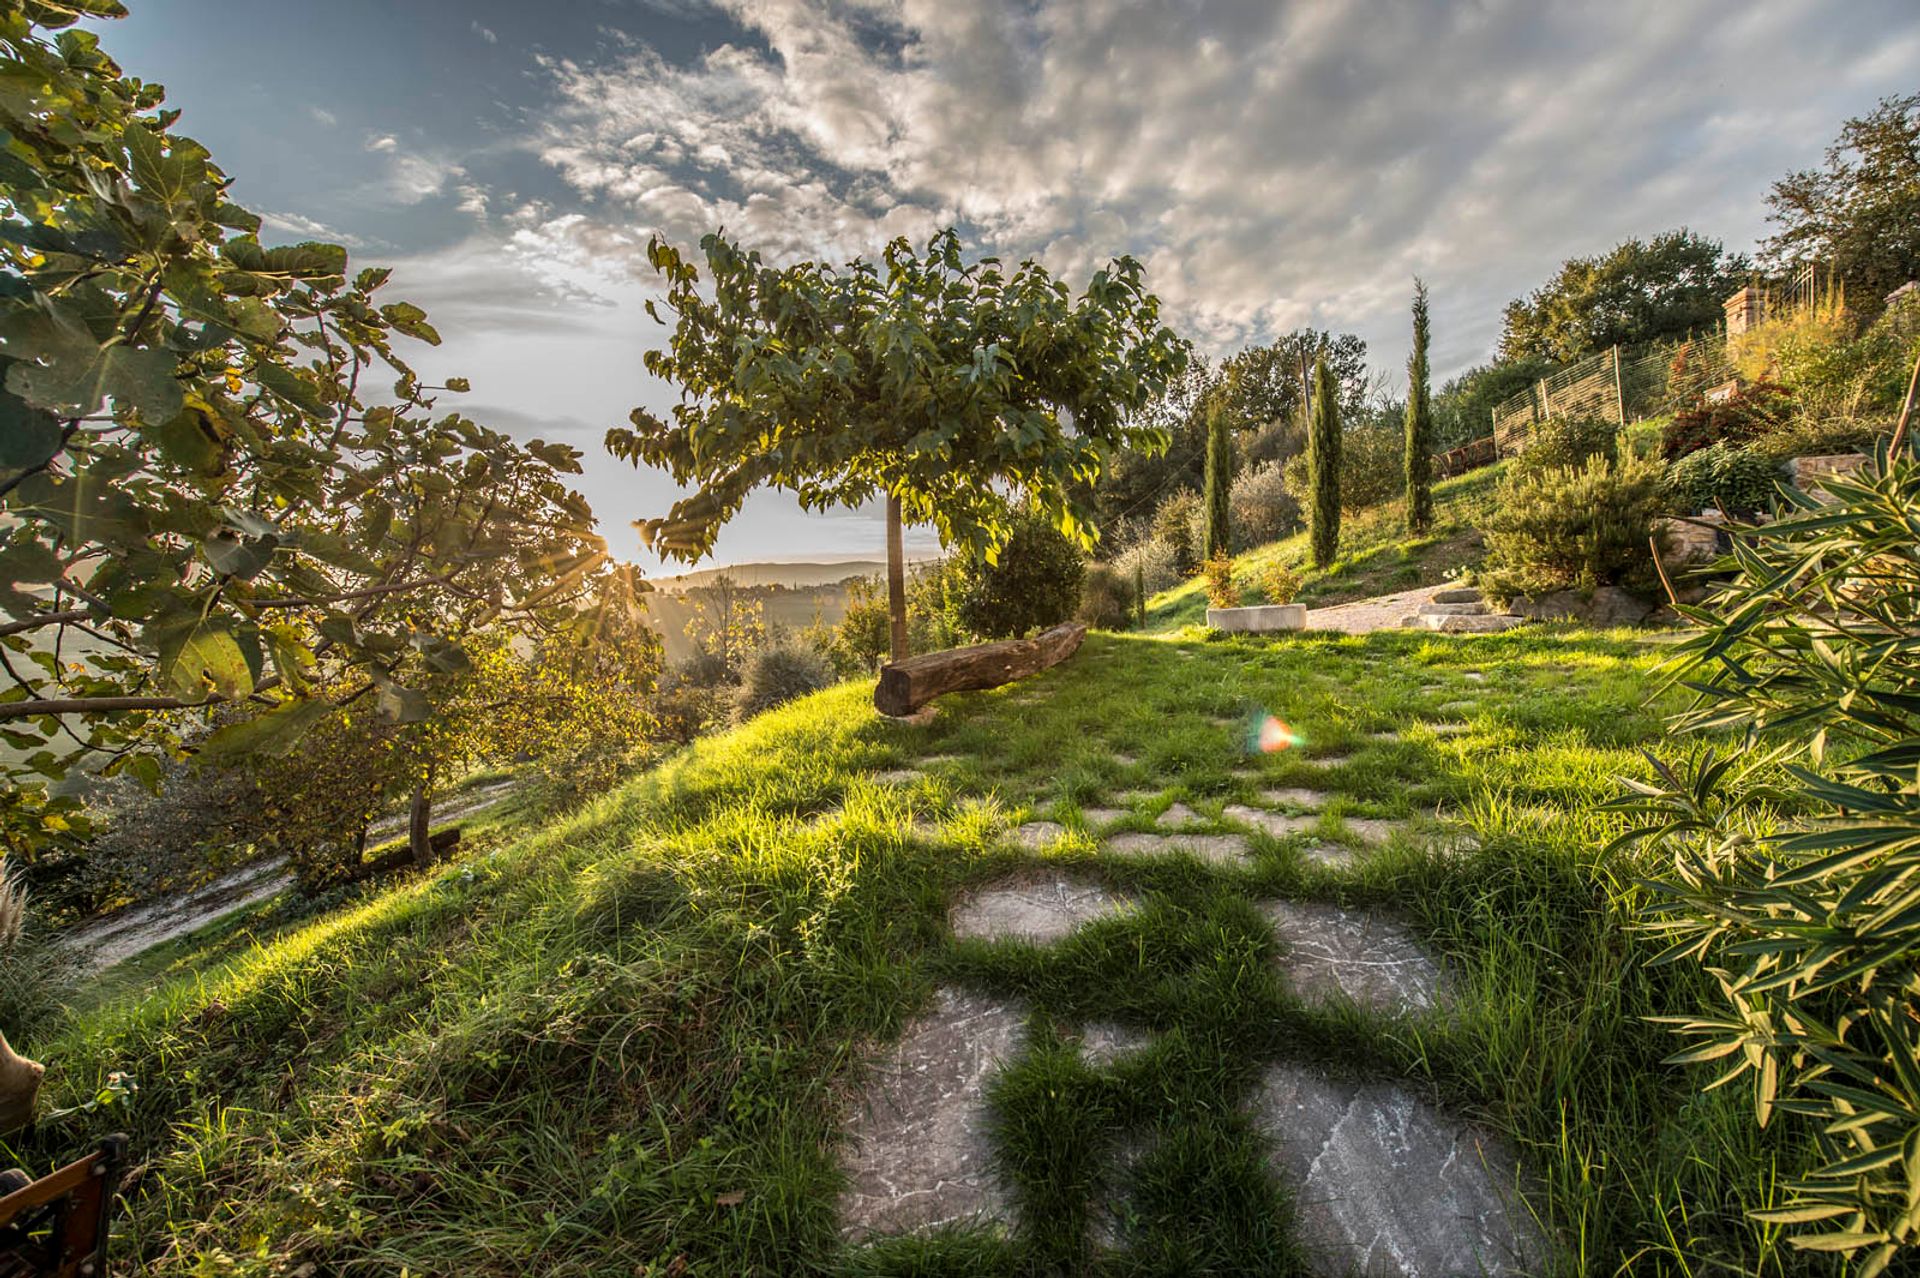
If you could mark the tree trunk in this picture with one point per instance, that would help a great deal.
(19, 1085)
(906, 686)
(896, 584)
(420, 822)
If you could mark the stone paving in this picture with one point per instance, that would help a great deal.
(1383, 1185)
(1038, 908)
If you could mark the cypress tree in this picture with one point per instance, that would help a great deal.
(1140, 591)
(1219, 482)
(1419, 422)
(1323, 466)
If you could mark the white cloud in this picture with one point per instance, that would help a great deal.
(412, 176)
(485, 34)
(309, 228)
(1273, 165)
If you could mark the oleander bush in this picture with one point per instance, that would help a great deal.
(1792, 867)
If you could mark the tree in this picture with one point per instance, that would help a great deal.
(1034, 584)
(727, 623)
(927, 379)
(1673, 284)
(1219, 483)
(1419, 447)
(204, 503)
(1463, 410)
(1860, 214)
(1323, 467)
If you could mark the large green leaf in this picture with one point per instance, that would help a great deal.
(204, 656)
(28, 436)
(64, 370)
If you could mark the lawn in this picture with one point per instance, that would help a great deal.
(1377, 557)
(623, 1043)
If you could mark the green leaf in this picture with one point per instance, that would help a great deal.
(244, 558)
(28, 437)
(411, 320)
(64, 370)
(206, 657)
(272, 733)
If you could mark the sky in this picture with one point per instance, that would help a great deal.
(1272, 165)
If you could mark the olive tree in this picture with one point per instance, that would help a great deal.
(220, 482)
(941, 384)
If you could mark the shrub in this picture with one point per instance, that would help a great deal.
(1035, 584)
(1106, 598)
(685, 706)
(1173, 527)
(1738, 481)
(1831, 368)
(1371, 460)
(1561, 442)
(1808, 927)
(863, 633)
(778, 674)
(1221, 592)
(1743, 416)
(1279, 583)
(1261, 508)
(1152, 564)
(1806, 436)
(1574, 528)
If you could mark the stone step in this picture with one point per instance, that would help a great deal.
(1458, 594)
(1438, 609)
(1330, 952)
(1490, 624)
(1384, 1183)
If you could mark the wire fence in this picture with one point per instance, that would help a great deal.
(1615, 385)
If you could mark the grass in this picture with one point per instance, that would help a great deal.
(1377, 556)
(622, 1043)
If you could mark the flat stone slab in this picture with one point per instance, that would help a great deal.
(1259, 619)
(1334, 856)
(1449, 729)
(1372, 829)
(1214, 849)
(1475, 676)
(1102, 816)
(1458, 595)
(1328, 952)
(1295, 797)
(896, 776)
(1386, 1186)
(1036, 836)
(1103, 1043)
(1278, 824)
(920, 1154)
(1037, 908)
(1178, 815)
(1491, 624)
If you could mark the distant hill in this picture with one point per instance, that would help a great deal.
(820, 574)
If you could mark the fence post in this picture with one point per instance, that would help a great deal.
(1493, 426)
(1619, 390)
(1546, 401)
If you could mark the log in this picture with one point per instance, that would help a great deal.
(907, 685)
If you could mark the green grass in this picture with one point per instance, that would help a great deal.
(1377, 556)
(622, 1044)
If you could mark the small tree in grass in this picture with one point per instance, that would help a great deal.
(1323, 466)
(1219, 481)
(1419, 450)
(923, 378)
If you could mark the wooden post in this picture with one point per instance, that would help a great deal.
(1619, 393)
(896, 583)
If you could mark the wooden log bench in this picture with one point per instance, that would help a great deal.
(907, 685)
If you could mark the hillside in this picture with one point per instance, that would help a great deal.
(627, 1041)
(1376, 555)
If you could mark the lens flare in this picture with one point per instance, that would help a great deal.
(1270, 735)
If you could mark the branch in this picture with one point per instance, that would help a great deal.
(116, 705)
(44, 619)
(298, 601)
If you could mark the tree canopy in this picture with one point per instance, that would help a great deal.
(939, 381)
(211, 493)
(1672, 284)
(1860, 212)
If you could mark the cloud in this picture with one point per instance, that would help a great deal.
(1273, 165)
(308, 228)
(412, 177)
(485, 34)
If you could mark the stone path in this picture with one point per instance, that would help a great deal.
(920, 1154)
(1034, 908)
(1382, 1184)
(1363, 616)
